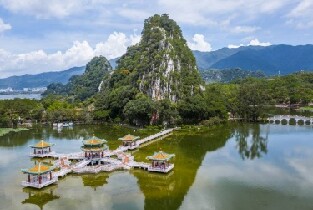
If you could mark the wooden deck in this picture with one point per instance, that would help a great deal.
(38, 186)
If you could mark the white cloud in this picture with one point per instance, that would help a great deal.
(211, 11)
(78, 55)
(232, 46)
(302, 15)
(256, 42)
(253, 42)
(199, 43)
(4, 26)
(40, 9)
(244, 29)
(116, 45)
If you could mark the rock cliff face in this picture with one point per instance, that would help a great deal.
(161, 65)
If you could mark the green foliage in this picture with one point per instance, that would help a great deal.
(13, 111)
(251, 99)
(139, 111)
(82, 87)
(193, 108)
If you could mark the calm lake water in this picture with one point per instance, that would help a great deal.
(230, 167)
(22, 96)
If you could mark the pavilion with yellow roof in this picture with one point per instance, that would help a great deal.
(160, 162)
(94, 147)
(42, 149)
(129, 140)
(39, 176)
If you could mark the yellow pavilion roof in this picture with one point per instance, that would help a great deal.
(94, 141)
(38, 169)
(94, 149)
(160, 156)
(129, 138)
(42, 144)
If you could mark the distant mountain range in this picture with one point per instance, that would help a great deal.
(43, 79)
(40, 80)
(272, 59)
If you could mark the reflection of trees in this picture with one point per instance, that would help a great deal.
(167, 191)
(40, 197)
(250, 143)
(95, 180)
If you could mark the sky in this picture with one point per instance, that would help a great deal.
(39, 36)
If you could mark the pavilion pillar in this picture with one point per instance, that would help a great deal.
(39, 179)
(35, 151)
(101, 154)
(49, 149)
(85, 154)
(50, 175)
(28, 178)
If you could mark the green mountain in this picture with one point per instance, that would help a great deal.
(228, 75)
(40, 80)
(161, 65)
(86, 85)
(272, 60)
(154, 78)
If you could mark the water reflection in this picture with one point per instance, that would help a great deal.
(168, 191)
(250, 143)
(95, 180)
(40, 197)
(208, 170)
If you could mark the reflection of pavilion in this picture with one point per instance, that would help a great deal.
(40, 197)
(95, 180)
(42, 149)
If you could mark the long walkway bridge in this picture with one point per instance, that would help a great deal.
(288, 118)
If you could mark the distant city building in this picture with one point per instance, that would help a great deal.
(9, 89)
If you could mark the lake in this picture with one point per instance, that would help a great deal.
(22, 96)
(235, 166)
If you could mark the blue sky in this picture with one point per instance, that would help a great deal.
(38, 36)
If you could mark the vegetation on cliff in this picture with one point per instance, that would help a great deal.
(81, 87)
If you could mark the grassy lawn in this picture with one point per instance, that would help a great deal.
(307, 108)
(4, 131)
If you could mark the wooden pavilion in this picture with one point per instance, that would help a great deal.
(39, 176)
(94, 148)
(129, 140)
(42, 149)
(160, 162)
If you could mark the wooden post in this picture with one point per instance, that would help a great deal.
(49, 149)
(28, 178)
(34, 151)
(50, 175)
(39, 179)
